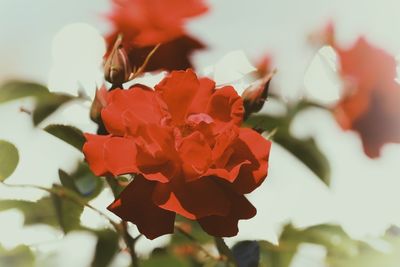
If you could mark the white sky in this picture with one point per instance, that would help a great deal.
(364, 193)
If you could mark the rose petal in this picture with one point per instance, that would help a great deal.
(149, 22)
(139, 100)
(135, 205)
(178, 90)
(206, 89)
(107, 154)
(226, 226)
(120, 156)
(225, 107)
(253, 147)
(94, 152)
(200, 198)
(195, 154)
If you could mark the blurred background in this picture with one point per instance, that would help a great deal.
(59, 44)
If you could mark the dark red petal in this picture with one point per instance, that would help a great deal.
(171, 55)
(139, 100)
(225, 107)
(380, 123)
(226, 226)
(178, 90)
(200, 198)
(135, 205)
(195, 154)
(253, 147)
(167, 200)
(370, 105)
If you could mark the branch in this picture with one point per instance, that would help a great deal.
(128, 239)
(196, 243)
(144, 65)
(65, 193)
(224, 250)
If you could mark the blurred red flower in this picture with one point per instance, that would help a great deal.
(146, 23)
(371, 101)
(184, 143)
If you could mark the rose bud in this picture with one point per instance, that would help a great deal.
(98, 103)
(117, 68)
(256, 94)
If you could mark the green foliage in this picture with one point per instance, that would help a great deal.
(51, 210)
(194, 231)
(117, 184)
(106, 248)
(342, 251)
(68, 134)
(160, 257)
(364, 255)
(305, 150)
(8, 159)
(46, 102)
(67, 212)
(20, 256)
(40, 212)
(13, 90)
(281, 255)
(82, 181)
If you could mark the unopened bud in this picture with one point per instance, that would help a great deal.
(117, 68)
(255, 95)
(99, 102)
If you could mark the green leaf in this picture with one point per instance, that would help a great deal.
(40, 212)
(13, 90)
(362, 254)
(8, 159)
(48, 104)
(67, 212)
(68, 134)
(21, 256)
(332, 237)
(52, 210)
(160, 257)
(305, 150)
(193, 229)
(106, 248)
(115, 185)
(82, 181)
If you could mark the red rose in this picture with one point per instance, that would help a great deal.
(184, 143)
(146, 23)
(371, 102)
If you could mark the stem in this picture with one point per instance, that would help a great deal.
(224, 250)
(144, 65)
(196, 243)
(130, 243)
(128, 239)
